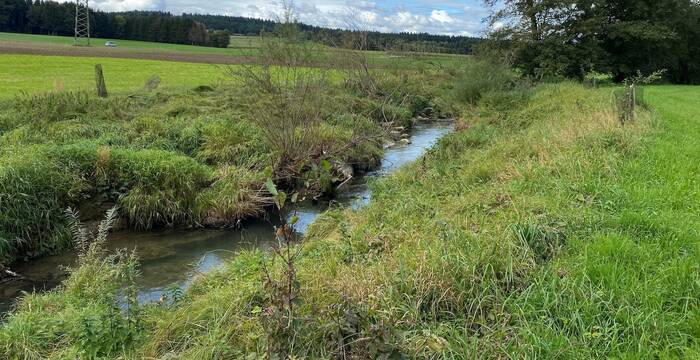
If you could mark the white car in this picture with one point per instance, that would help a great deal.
(110, 44)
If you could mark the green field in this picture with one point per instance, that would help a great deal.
(33, 74)
(36, 74)
(238, 43)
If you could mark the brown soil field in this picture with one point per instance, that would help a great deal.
(28, 48)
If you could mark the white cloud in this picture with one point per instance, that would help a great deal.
(441, 16)
(452, 18)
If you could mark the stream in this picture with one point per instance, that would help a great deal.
(174, 258)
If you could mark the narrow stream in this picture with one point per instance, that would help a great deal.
(176, 257)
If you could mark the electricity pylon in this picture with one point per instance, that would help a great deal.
(82, 23)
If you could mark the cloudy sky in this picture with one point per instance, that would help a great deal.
(434, 16)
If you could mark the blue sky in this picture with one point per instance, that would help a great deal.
(437, 17)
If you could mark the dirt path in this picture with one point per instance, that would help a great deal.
(28, 48)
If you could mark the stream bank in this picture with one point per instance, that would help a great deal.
(173, 258)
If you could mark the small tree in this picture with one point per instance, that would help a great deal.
(628, 99)
(279, 316)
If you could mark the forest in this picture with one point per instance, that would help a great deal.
(418, 42)
(54, 18)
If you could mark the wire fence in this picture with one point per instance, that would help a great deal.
(626, 101)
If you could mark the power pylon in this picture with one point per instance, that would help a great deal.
(82, 23)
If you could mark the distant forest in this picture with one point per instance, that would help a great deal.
(53, 18)
(420, 42)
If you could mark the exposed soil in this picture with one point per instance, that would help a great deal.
(29, 48)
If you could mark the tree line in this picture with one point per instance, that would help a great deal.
(54, 18)
(619, 37)
(372, 40)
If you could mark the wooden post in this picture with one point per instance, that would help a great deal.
(100, 82)
(633, 102)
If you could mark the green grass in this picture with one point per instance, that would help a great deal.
(628, 286)
(238, 43)
(542, 228)
(37, 74)
(497, 245)
(33, 74)
(245, 42)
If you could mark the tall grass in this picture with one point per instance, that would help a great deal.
(544, 230)
(89, 321)
(477, 78)
(431, 268)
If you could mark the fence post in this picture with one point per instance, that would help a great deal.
(633, 102)
(100, 82)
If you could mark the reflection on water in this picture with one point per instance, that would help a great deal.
(175, 257)
(358, 193)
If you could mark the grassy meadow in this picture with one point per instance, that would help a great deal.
(33, 74)
(178, 154)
